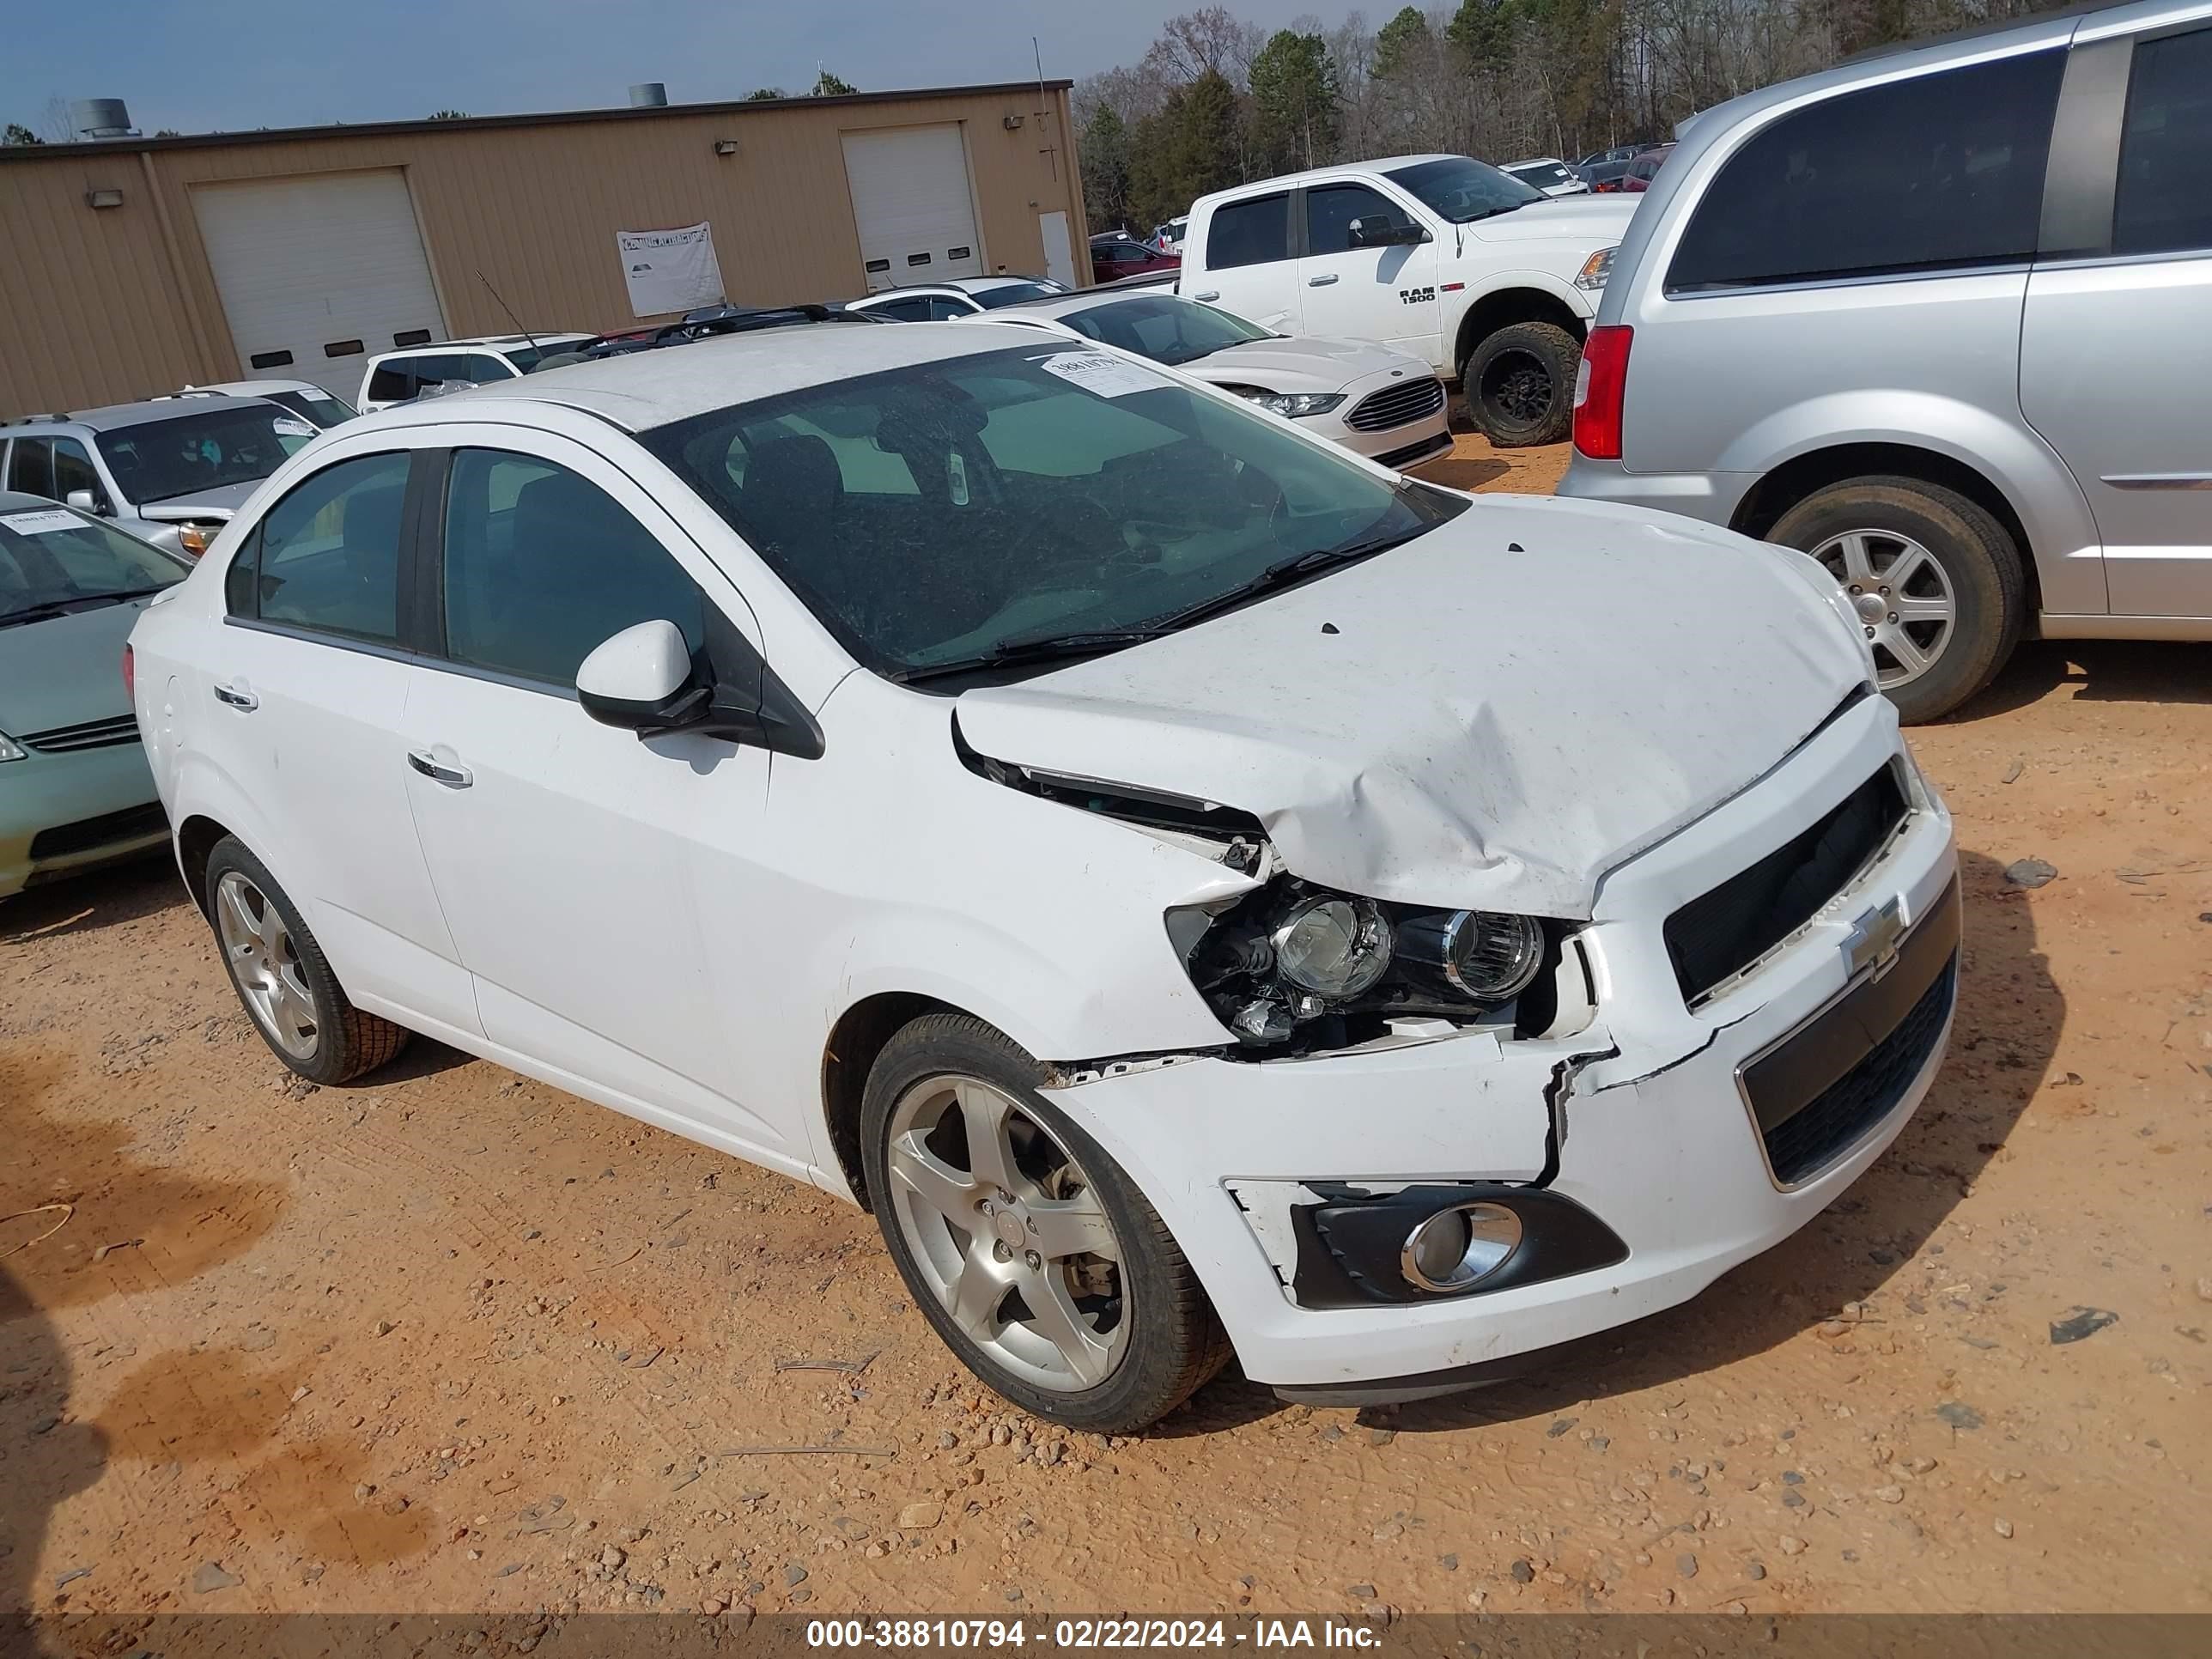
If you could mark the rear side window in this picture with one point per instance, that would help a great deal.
(327, 556)
(484, 369)
(392, 382)
(1940, 171)
(31, 468)
(1249, 233)
(542, 567)
(2165, 198)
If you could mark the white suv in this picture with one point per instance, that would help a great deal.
(1203, 890)
(400, 377)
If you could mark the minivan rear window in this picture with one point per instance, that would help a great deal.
(1939, 172)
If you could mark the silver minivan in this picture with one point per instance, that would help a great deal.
(1941, 317)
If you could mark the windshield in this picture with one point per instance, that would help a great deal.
(1013, 294)
(1541, 174)
(54, 559)
(161, 460)
(1462, 191)
(320, 407)
(1163, 328)
(935, 513)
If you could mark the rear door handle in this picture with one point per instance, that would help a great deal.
(237, 696)
(453, 777)
(1321, 282)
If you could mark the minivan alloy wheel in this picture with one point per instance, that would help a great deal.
(266, 965)
(1901, 594)
(1008, 1232)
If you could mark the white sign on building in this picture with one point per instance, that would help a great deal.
(669, 270)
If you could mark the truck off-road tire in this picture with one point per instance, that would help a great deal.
(282, 979)
(1940, 585)
(1034, 1255)
(1519, 385)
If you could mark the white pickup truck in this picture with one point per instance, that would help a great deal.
(1438, 256)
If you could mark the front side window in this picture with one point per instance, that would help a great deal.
(942, 307)
(1163, 327)
(914, 309)
(542, 567)
(72, 470)
(1941, 170)
(484, 369)
(1012, 293)
(1051, 489)
(2164, 204)
(326, 556)
(1330, 210)
(1461, 190)
(162, 460)
(1252, 232)
(31, 467)
(55, 560)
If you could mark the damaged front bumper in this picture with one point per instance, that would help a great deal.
(1646, 1155)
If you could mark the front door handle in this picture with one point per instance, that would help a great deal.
(453, 777)
(1210, 294)
(237, 696)
(1321, 282)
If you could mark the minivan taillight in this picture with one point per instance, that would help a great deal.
(1601, 387)
(129, 678)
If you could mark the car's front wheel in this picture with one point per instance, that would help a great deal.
(1519, 385)
(1027, 1247)
(1936, 581)
(283, 978)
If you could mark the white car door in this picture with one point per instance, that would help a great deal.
(569, 855)
(304, 696)
(1249, 265)
(1384, 294)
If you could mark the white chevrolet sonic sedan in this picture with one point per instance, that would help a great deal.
(1203, 892)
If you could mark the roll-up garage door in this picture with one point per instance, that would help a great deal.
(912, 205)
(318, 273)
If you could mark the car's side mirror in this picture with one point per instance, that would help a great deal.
(646, 679)
(84, 501)
(1386, 233)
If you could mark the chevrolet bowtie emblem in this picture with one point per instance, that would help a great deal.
(1873, 941)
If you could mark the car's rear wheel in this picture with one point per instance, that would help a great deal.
(1519, 385)
(1029, 1250)
(283, 978)
(1937, 583)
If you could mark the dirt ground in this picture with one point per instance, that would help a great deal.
(453, 1341)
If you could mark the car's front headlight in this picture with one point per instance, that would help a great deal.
(1595, 269)
(1295, 403)
(1292, 952)
(9, 749)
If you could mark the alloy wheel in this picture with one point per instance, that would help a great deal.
(265, 964)
(1517, 384)
(1902, 595)
(1008, 1233)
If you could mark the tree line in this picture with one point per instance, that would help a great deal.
(1217, 100)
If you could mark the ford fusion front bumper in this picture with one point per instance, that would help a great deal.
(1674, 1137)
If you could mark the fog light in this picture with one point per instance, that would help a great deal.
(1457, 1249)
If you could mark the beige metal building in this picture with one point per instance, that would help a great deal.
(134, 266)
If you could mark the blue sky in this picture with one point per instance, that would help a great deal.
(199, 65)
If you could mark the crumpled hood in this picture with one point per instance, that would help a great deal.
(65, 671)
(202, 506)
(1459, 723)
(1600, 220)
(1302, 365)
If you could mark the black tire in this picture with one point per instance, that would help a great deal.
(1175, 1344)
(346, 1041)
(1978, 559)
(1519, 385)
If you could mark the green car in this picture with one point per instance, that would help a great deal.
(75, 791)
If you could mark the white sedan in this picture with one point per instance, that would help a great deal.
(1374, 401)
(958, 296)
(1204, 893)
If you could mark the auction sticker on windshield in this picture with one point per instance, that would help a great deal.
(1109, 377)
(45, 522)
(287, 427)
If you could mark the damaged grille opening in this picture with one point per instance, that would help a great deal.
(1722, 934)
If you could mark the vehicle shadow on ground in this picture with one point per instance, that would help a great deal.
(2010, 1014)
(422, 1057)
(1463, 472)
(2100, 671)
(79, 905)
(48, 1459)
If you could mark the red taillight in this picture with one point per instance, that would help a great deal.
(1601, 386)
(129, 678)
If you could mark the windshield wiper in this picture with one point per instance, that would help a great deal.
(1492, 213)
(47, 610)
(1282, 574)
(1043, 647)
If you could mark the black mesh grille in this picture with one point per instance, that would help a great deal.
(1832, 1122)
(106, 830)
(1395, 405)
(1718, 934)
(89, 734)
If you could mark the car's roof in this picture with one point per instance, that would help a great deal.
(1340, 170)
(642, 390)
(1532, 161)
(496, 341)
(250, 388)
(112, 417)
